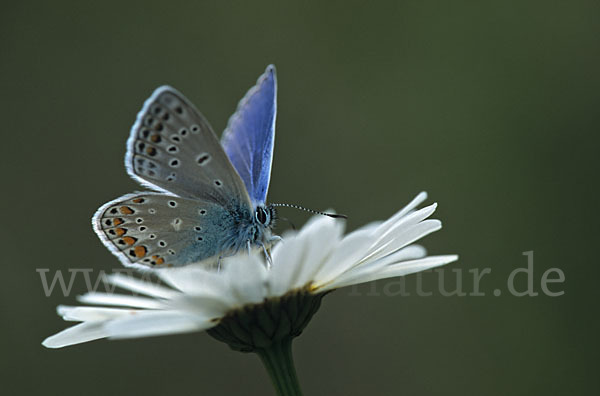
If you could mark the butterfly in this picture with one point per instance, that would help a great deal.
(208, 197)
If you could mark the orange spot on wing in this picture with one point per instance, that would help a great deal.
(157, 260)
(155, 138)
(118, 221)
(126, 210)
(138, 200)
(140, 251)
(129, 240)
(120, 231)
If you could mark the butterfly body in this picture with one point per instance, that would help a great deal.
(230, 230)
(209, 197)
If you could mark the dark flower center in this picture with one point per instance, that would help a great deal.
(258, 326)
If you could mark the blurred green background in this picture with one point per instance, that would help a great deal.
(492, 107)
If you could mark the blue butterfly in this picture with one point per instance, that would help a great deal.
(209, 197)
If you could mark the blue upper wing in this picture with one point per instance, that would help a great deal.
(250, 134)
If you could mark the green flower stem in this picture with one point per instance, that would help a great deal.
(268, 328)
(278, 360)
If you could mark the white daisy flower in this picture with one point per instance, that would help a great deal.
(249, 306)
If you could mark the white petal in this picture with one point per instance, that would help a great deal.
(372, 226)
(83, 332)
(297, 258)
(153, 323)
(284, 271)
(193, 279)
(410, 219)
(406, 236)
(140, 286)
(410, 267)
(247, 277)
(394, 231)
(345, 256)
(90, 314)
(399, 269)
(204, 306)
(317, 248)
(421, 197)
(120, 300)
(365, 269)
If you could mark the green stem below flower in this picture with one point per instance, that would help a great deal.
(278, 360)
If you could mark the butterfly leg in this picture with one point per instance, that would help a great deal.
(268, 257)
(275, 238)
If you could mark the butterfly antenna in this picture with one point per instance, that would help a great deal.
(332, 215)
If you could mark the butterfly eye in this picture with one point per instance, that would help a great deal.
(261, 216)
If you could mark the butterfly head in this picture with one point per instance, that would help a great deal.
(264, 221)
